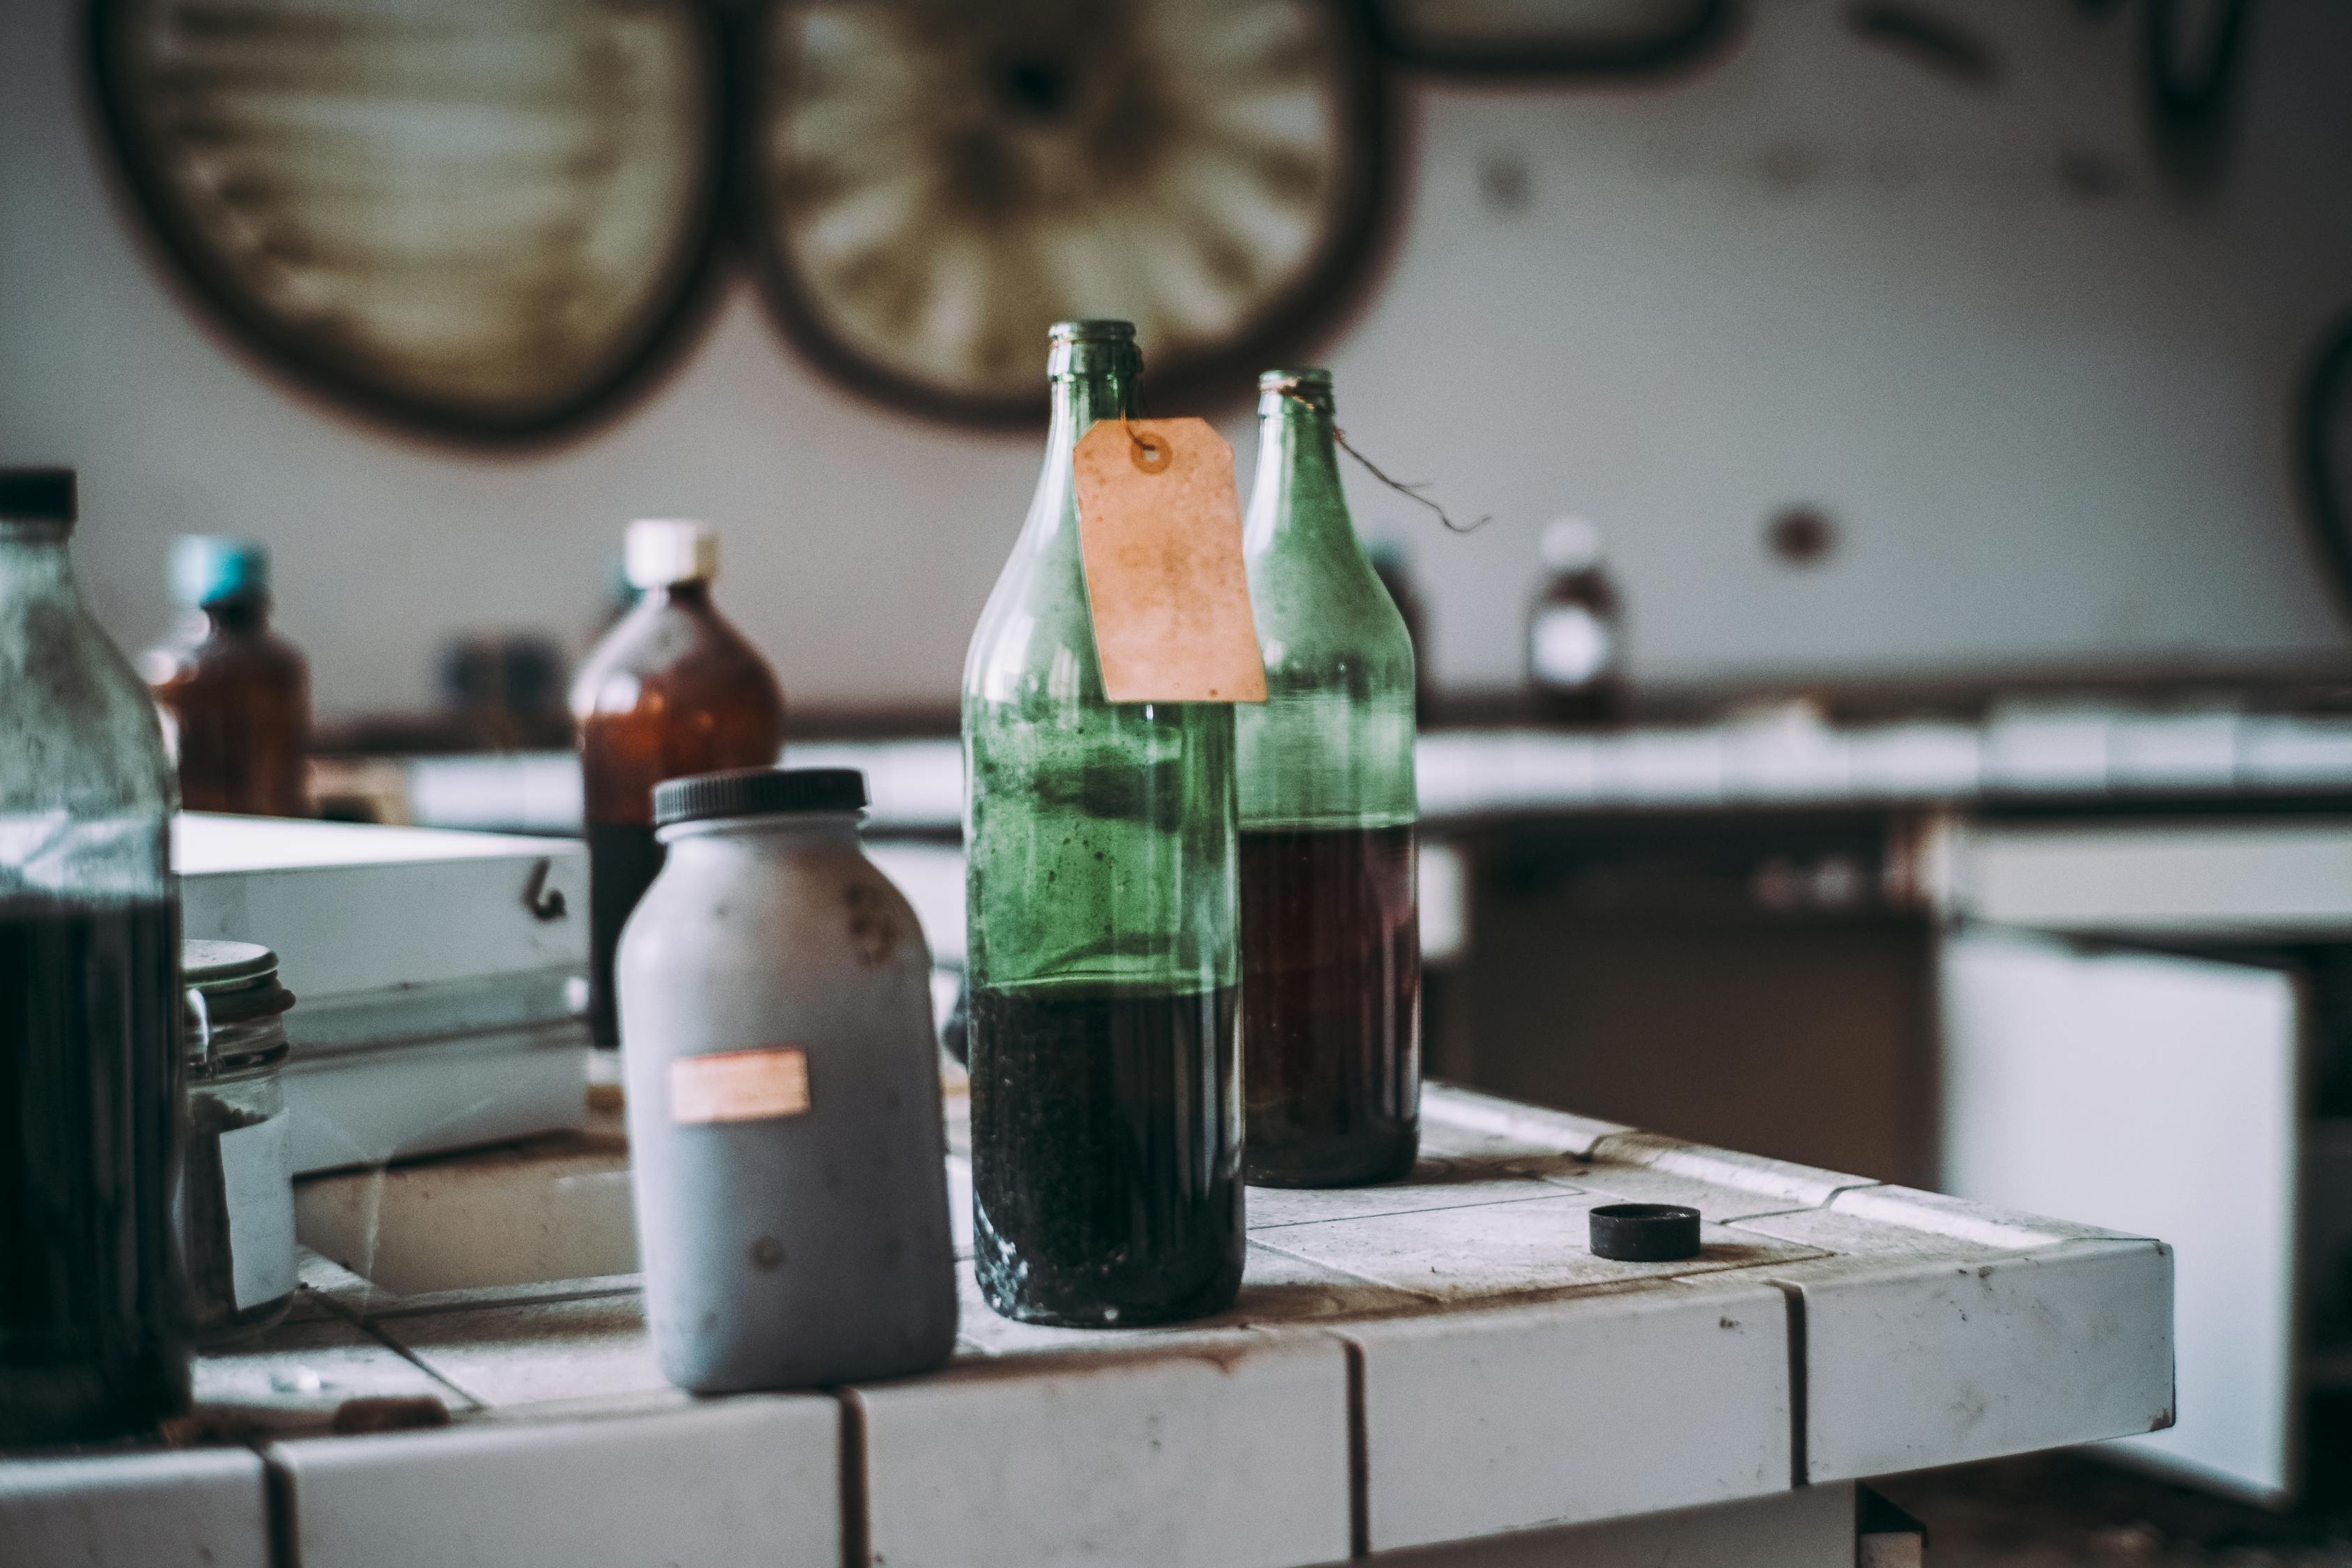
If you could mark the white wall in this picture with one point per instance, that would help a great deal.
(2053, 429)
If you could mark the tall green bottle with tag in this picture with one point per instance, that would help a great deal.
(1330, 915)
(1103, 966)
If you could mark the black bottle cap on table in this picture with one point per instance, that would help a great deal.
(756, 792)
(37, 495)
(1645, 1233)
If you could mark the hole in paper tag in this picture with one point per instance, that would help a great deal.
(738, 1086)
(1151, 453)
(1159, 527)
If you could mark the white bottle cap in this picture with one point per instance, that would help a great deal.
(667, 549)
(1571, 544)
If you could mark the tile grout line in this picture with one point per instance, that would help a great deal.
(1359, 1457)
(367, 1327)
(856, 1493)
(1560, 1189)
(278, 1507)
(1800, 1462)
(1349, 1273)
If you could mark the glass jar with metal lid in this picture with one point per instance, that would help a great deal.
(237, 1202)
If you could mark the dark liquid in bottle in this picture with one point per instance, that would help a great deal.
(92, 1321)
(671, 691)
(623, 860)
(1106, 1181)
(1331, 1004)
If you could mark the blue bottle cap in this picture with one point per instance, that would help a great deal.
(208, 569)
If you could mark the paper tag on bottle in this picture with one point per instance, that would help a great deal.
(1160, 526)
(738, 1086)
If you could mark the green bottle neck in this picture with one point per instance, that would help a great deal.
(1296, 502)
(1092, 379)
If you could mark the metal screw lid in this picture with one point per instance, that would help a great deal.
(756, 792)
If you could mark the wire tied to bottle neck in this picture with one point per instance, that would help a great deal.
(1152, 450)
(1410, 489)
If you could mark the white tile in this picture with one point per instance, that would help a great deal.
(1660, 767)
(1770, 1185)
(1437, 1182)
(1811, 1527)
(749, 1481)
(1929, 1214)
(1611, 1182)
(1787, 759)
(1832, 1230)
(1916, 761)
(1563, 1412)
(298, 1373)
(2058, 748)
(1463, 1255)
(1913, 1362)
(1456, 1120)
(201, 1508)
(1277, 1289)
(507, 1357)
(2173, 751)
(1227, 1456)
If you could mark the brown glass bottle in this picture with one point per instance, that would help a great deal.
(673, 689)
(236, 696)
(1576, 630)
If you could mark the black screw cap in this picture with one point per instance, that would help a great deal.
(756, 792)
(1645, 1233)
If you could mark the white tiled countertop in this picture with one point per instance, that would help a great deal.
(1436, 1361)
(2070, 752)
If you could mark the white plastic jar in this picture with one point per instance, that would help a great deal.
(783, 1093)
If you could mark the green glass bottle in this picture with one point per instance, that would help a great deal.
(1103, 962)
(1331, 913)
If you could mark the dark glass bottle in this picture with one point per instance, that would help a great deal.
(93, 1319)
(236, 696)
(1330, 916)
(673, 689)
(1102, 959)
(1576, 632)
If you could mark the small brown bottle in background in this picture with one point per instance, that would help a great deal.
(1576, 630)
(672, 689)
(236, 696)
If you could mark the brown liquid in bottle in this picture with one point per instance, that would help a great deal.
(239, 697)
(673, 689)
(1330, 1005)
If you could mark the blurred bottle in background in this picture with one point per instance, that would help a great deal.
(503, 692)
(93, 1320)
(673, 689)
(1576, 631)
(1393, 566)
(236, 696)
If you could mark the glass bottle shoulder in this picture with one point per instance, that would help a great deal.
(79, 729)
(1333, 744)
(683, 654)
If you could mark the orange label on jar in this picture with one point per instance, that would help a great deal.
(738, 1086)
